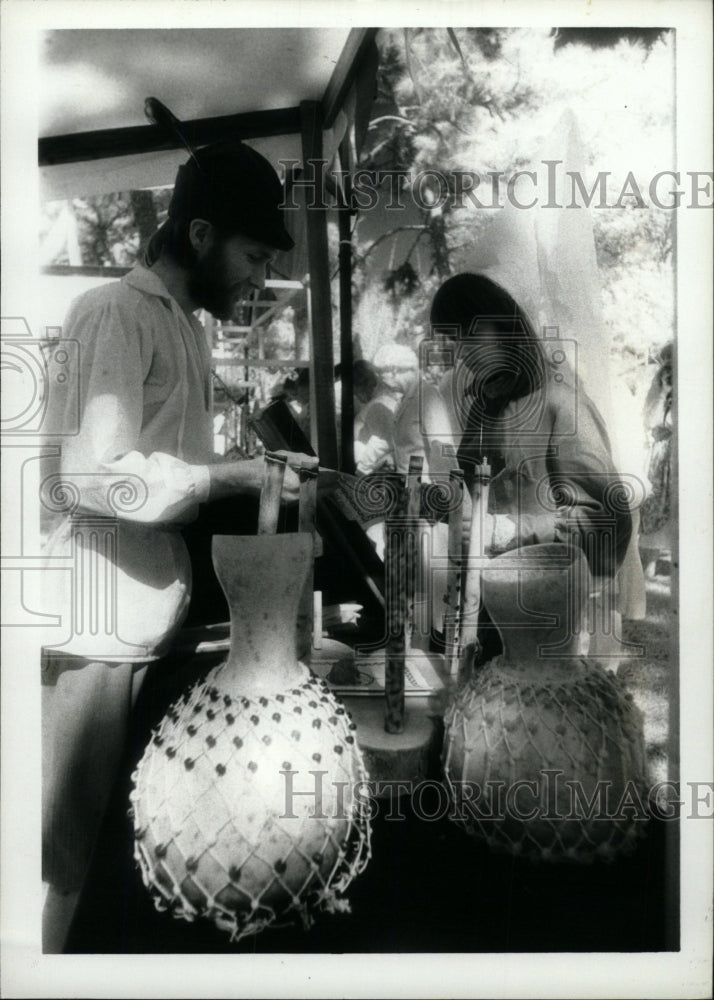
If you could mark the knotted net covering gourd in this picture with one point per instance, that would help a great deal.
(247, 810)
(567, 728)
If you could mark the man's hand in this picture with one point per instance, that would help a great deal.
(296, 462)
(247, 476)
(327, 479)
(291, 485)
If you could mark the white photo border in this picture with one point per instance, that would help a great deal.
(687, 973)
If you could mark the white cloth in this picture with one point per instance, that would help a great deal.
(421, 423)
(374, 434)
(142, 394)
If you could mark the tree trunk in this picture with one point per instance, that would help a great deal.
(439, 247)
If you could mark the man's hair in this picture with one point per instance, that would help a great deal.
(364, 375)
(173, 239)
(232, 186)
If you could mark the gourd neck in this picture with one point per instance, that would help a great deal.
(537, 598)
(263, 578)
(539, 645)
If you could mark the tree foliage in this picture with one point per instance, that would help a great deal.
(481, 100)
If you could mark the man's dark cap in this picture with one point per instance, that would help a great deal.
(236, 189)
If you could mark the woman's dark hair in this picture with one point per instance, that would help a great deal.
(465, 303)
(464, 299)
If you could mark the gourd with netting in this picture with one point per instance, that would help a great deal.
(246, 804)
(543, 751)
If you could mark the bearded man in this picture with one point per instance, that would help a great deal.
(143, 395)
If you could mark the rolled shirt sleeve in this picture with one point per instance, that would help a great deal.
(129, 406)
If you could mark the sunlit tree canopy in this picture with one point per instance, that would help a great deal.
(482, 101)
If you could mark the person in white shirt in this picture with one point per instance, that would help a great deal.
(421, 425)
(416, 423)
(374, 420)
(143, 455)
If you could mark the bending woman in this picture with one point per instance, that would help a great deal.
(522, 406)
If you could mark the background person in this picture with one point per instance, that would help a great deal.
(656, 511)
(374, 420)
(422, 427)
(296, 393)
(422, 424)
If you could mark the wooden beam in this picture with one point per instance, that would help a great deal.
(77, 147)
(275, 307)
(104, 143)
(322, 380)
(260, 363)
(358, 43)
(119, 270)
(283, 283)
(85, 270)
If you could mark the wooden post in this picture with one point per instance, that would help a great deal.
(471, 591)
(307, 509)
(271, 493)
(397, 612)
(322, 378)
(347, 463)
(453, 577)
(411, 542)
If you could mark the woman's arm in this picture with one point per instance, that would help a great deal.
(582, 498)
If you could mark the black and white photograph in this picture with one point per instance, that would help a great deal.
(357, 463)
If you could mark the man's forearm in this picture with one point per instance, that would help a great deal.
(229, 478)
(246, 476)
